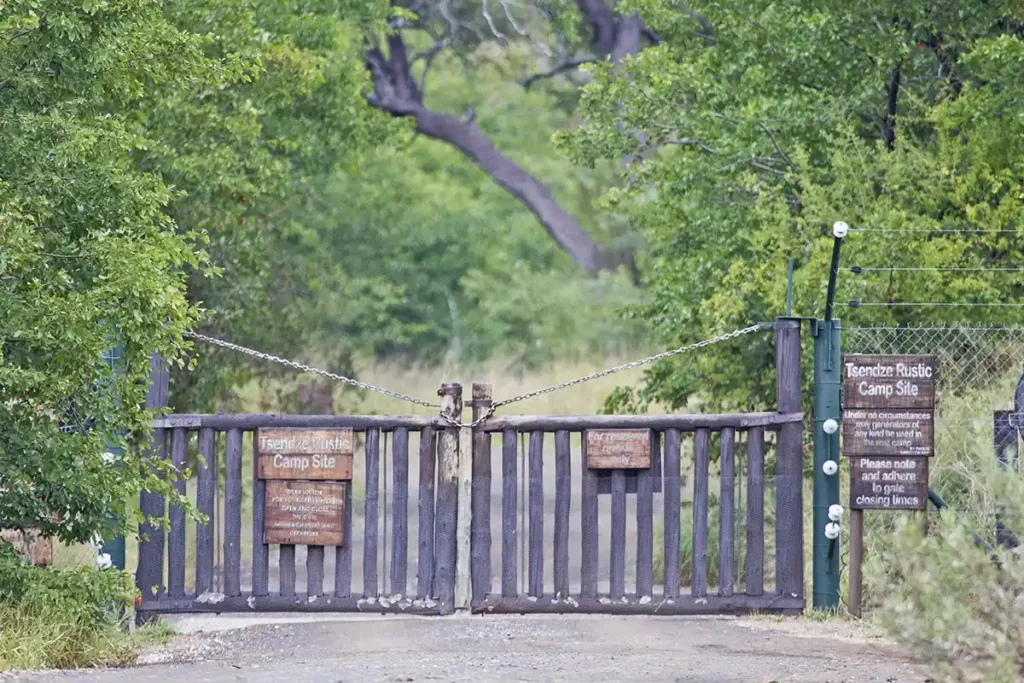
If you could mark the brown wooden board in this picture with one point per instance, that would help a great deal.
(618, 449)
(321, 454)
(883, 483)
(888, 432)
(305, 513)
(875, 381)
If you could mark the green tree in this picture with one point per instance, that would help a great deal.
(756, 128)
(88, 257)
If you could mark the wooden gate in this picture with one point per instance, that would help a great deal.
(517, 549)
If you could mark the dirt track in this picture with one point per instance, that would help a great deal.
(539, 648)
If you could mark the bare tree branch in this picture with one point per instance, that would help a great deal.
(562, 67)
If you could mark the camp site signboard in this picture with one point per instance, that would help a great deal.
(615, 449)
(306, 472)
(888, 429)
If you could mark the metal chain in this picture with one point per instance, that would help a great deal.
(454, 422)
(307, 368)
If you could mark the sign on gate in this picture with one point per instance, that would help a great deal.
(305, 512)
(888, 429)
(324, 454)
(619, 449)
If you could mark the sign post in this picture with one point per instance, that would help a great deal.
(888, 436)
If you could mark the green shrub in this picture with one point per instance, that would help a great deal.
(954, 602)
(64, 618)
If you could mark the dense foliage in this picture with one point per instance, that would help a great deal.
(755, 125)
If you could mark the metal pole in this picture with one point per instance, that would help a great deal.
(827, 388)
(115, 547)
(789, 288)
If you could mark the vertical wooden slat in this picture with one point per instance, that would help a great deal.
(563, 498)
(233, 513)
(755, 511)
(789, 521)
(286, 570)
(149, 577)
(536, 571)
(645, 522)
(481, 498)
(509, 505)
(672, 511)
(589, 528)
(207, 483)
(315, 570)
(618, 550)
(371, 519)
(343, 552)
(727, 511)
(176, 515)
(446, 515)
(699, 584)
(400, 512)
(260, 550)
(428, 458)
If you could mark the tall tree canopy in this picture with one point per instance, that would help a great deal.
(755, 125)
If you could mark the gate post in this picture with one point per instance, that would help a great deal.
(789, 527)
(1004, 437)
(481, 521)
(827, 385)
(446, 515)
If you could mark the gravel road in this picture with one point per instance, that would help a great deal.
(464, 649)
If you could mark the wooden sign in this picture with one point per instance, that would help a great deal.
(321, 454)
(304, 513)
(871, 381)
(888, 432)
(617, 449)
(879, 483)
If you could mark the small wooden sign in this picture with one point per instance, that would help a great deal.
(305, 513)
(888, 432)
(618, 449)
(882, 483)
(320, 454)
(873, 381)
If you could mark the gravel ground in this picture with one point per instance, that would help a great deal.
(466, 649)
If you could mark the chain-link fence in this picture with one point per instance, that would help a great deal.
(977, 370)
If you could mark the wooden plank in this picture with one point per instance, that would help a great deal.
(589, 528)
(304, 512)
(205, 487)
(684, 423)
(673, 504)
(536, 570)
(286, 565)
(645, 524)
(789, 509)
(371, 512)
(233, 512)
(618, 546)
(888, 381)
(343, 552)
(260, 549)
(699, 583)
(563, 498)
(176, 515)
(428, 459)
(685, 605)
(315, 570)
(481, 503)
(755, 512)
(324, 454)
(149, 578)
(262, 421)
(727, 513)
(400, 512)
(509, 505)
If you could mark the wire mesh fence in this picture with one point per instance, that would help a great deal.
(977, 370)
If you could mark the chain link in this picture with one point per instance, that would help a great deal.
(454, 422)
(307, 368)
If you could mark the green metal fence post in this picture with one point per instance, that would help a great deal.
(115, 547)
(827, 388)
